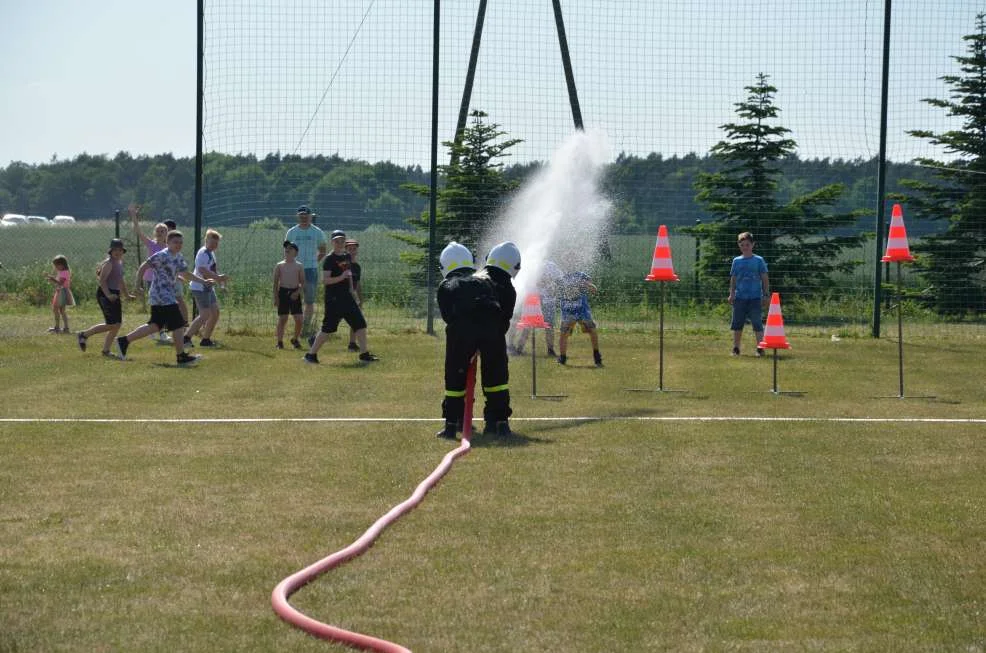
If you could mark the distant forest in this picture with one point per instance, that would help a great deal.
(354, 194)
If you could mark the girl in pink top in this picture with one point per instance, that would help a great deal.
(63, 293)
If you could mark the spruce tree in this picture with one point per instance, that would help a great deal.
(797, 238)
(475, 187)
(952, 259)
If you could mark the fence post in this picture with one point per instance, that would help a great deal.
(698, 255)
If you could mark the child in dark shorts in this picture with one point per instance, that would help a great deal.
(112, 289)
(289, 287)
(340, 300)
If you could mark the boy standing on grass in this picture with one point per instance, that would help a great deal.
(168, 265)
(340, 301)
(205, 297)
(110, 294)
(289, 284)
(749, 288)
(575, 289)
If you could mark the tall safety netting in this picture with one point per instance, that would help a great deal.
(329, 105)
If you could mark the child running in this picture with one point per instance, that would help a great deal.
(575, 289)
(62, 278)
(168, 265)
(110, 294)
(352, 248)
(289, 286)
(154, 245)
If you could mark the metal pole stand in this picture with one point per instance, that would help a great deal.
(660, 374)
(900, 343)
(534, 371)
(792, 393)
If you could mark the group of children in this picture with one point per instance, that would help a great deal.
(569, 294)
(164, 269)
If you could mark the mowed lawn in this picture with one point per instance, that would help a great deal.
(645, 528)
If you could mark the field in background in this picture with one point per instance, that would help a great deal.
(625, 301)
(644, 531)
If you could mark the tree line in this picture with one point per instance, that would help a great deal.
(240, 189)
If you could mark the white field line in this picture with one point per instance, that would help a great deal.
(585, 418)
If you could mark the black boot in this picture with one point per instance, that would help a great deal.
(448, 431)
(498, 429)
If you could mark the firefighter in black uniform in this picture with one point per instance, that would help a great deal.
(477, 308)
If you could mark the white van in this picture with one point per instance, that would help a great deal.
(63, 219)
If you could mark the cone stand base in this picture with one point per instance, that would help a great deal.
(652, 390)
(905, 397)
(534, 372)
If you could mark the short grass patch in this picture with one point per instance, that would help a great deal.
(650, 534)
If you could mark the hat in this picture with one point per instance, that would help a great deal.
(352, 241)
(303, 209)
(288, 243)
(116, 243)
(338, 233)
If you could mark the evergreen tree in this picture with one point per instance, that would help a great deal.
(797, 237)
(952, 260)
(475, 187)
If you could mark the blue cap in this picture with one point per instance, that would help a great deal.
(303, 209)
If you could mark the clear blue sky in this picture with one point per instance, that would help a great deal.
(101, 77)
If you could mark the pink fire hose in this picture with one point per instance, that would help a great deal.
(297, 580)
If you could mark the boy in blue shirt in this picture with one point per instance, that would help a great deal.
(748, 289)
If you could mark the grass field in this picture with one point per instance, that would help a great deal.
(668, 522)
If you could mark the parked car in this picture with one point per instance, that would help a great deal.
(63, 219)
(37, 219)
(13, 219)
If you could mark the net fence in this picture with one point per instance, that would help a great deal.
(329, 105)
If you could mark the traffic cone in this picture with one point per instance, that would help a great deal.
(661, 269)
(531, 317)
(897, 249)
(773, 334)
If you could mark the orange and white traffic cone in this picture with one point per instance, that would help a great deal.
(661, 268)
(531, 317)
(897, 249)
(773, 333)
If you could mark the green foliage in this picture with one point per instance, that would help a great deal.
(474, 188)
(953, 260)
(268, 223)
(795, 237)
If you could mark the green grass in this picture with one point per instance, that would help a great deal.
(611, 535)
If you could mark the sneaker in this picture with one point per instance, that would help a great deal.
(563, 359)
(54, 330)
(735, 351)
(207, 342)
(368, 357)
(187, 342)
(353, 346)
(295, 343)
(280, 345)
(185, 358)
(82, 340)
(447, 432)
(109, 354)
(759, 352)
(122, 344)
(163, 338)
(311, 358)
(598, 358)
(551, 352)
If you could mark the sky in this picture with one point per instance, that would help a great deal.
(353, 76)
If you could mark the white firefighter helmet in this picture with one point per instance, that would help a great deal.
(505, 256)
(455, 256)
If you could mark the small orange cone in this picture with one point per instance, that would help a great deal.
(897, 249)
(661, 268)
(773, 334)
(532, 317)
